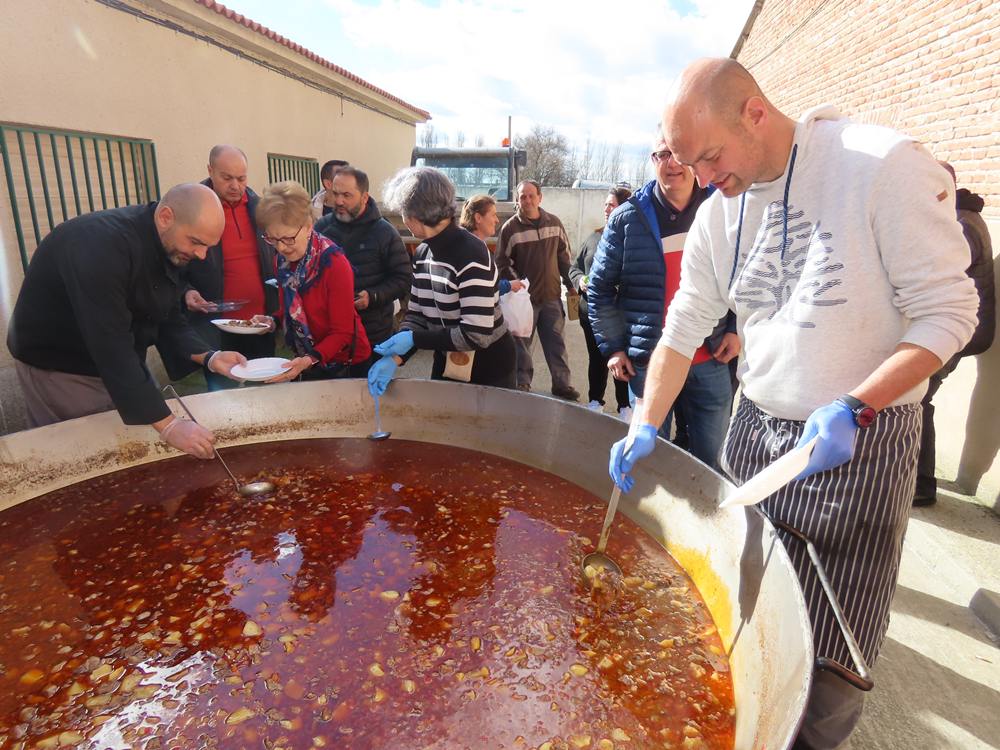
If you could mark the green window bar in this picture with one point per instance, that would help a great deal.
(53, 175)
(304, 171)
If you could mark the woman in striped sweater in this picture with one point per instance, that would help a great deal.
(454, 305)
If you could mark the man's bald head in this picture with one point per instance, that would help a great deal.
(227, 171)
(718, 88)
(719, 122)
(189, 220)
(224, 150)
(192, 203)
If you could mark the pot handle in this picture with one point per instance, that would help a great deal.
(862, 679)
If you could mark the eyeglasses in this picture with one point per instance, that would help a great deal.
(659, 156)
(286, 241)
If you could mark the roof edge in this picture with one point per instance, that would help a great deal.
(747, 27)
(264, 31)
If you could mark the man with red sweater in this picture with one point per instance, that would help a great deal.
(234, 269)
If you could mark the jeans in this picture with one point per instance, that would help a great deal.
(707, 402)
(550, 320)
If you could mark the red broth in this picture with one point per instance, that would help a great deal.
(392, 595)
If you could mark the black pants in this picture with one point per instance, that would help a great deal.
(251, 347)
(926, 481)
(496, 365)
(597, 366)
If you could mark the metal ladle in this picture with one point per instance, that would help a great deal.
(246, 490)
(379, 433)
(597, 560)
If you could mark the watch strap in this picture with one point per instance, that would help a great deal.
(864, 414)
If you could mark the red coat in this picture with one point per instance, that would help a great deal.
(329, 308)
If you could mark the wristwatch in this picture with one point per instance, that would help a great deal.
(864, 415)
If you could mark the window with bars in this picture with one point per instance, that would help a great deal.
(53, 175)
(301, 169)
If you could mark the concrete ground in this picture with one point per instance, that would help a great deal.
(937, 680)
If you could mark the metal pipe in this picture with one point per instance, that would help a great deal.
(72, 174)
(86, 173)
(100, 173)
(121, 164)
(18, 231)
(135, 171)
(59, 181)
(27, 187)
(45, 180)
(156, 174)
(145, 172)
(111, 172)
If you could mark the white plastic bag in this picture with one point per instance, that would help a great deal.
(517, 312)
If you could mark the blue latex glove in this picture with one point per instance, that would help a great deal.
(623, 460)
(381, 375)
(837, 430)
(399, 344)
(504, 286)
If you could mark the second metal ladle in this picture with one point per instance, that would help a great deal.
(597, 561)
(379, 433)
(246, 490)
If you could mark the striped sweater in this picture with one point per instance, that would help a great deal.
(454, 305)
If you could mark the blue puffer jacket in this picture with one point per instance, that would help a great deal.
(626, 286)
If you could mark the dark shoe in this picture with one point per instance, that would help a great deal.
(569, 393)
(922, 501)
(524, 387)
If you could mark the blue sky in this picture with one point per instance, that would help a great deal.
(589, 69)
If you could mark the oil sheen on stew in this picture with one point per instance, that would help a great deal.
(392, 595)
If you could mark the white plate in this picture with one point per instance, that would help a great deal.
(233, 326)
(256, 370)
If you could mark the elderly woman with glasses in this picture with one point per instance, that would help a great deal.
(454, 305)
(316, 289)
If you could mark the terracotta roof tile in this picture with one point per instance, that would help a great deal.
(249, 23)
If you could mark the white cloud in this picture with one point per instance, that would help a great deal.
(586, 67)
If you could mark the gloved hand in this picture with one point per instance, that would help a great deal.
(623, 459)
(399, 344)
(837, 430)
(190, 437)
(381, 374)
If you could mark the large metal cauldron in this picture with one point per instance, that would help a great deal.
(733, 556)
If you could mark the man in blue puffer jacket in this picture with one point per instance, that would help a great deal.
(635, 274)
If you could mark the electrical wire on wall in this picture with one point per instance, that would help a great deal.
(789, 35)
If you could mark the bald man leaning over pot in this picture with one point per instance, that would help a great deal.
(811, 238)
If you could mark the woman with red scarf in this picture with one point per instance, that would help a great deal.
(316, 289)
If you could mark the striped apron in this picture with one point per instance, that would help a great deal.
(855, 514)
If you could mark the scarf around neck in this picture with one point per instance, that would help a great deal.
(294, 279)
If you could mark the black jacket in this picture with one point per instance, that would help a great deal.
(98, 292)
(970, 208)
(380, 261)
(206, 276)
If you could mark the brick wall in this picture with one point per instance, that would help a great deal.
(930, 68)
